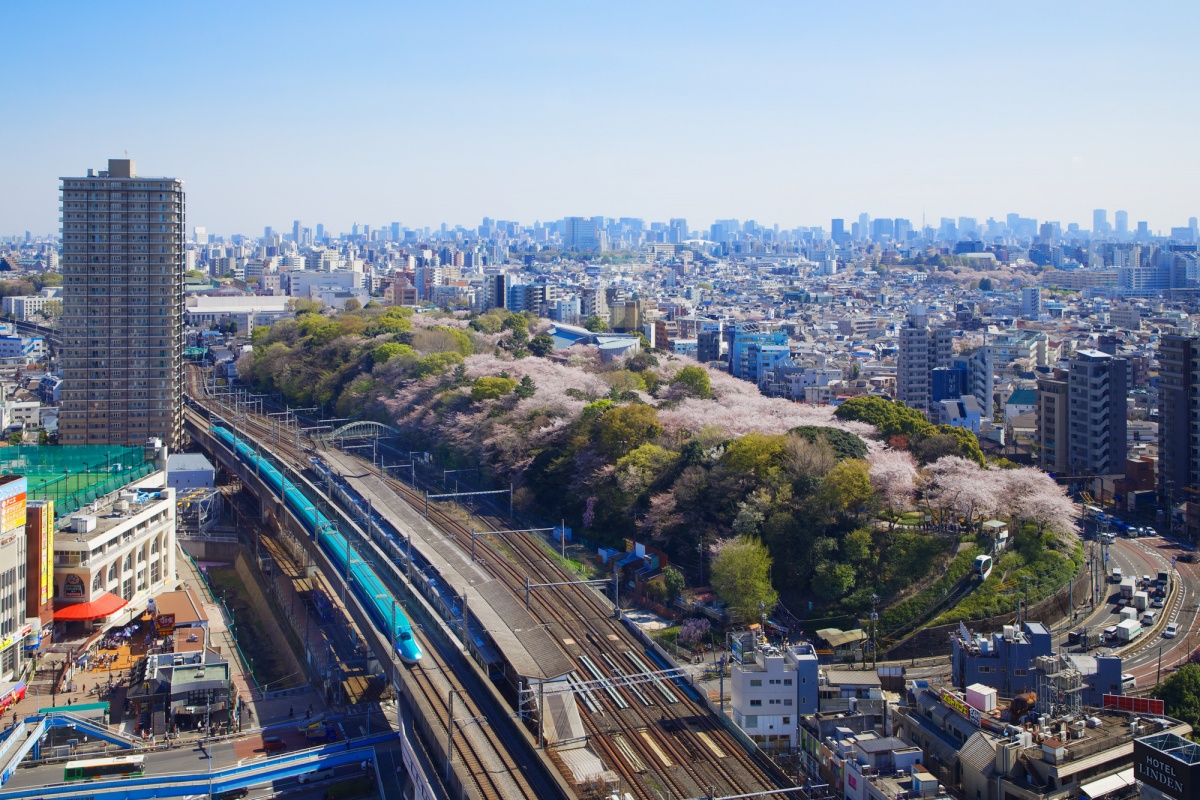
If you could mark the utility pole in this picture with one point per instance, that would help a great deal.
(874, 620)
(450, 737)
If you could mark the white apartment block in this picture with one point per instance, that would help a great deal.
(922, 349)
(27, 307)
(770, 688)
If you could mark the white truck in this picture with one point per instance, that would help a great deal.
(1128, 587)
(1128, 630)
(1141, 600)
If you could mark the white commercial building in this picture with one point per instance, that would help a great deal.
(114, 555)
(246, 310)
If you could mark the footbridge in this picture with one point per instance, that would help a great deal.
(26, 736)
(191, 783)
(361, 429)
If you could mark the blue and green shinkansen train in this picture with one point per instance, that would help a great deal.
(363, 581)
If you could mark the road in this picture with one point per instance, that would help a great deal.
(1143, 660)
(188, 758)
(1149, 556)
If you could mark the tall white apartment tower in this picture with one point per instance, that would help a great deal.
(922, 349)
(122, 323)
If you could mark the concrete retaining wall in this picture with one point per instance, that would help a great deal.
(267, 615)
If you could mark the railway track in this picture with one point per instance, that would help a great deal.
(482, 753)
(658, 747)
(676, 743)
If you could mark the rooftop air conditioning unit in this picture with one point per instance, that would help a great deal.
(83, 523)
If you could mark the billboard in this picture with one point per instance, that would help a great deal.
(1135, 705)
(73, 586)
(164, 624)
(956, 703)
(12, 502)
(1164, 771)
(39, 537)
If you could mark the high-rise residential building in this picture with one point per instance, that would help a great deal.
(922, 349)
(297, 232)
(1052, 417)
(1178, 416)
(1031, 302)
(122, 323)
(1097, 411)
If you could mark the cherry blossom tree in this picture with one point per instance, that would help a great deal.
(893, 477)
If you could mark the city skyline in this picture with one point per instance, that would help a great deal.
(780, 114)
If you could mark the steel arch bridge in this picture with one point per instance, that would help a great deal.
(359, 430)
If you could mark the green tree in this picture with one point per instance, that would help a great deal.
(644, 467)
(491, 388)
(386, 352)
(741, 577)
(695, 381)
(596, 325)
(14, 438)
(847, 487)
(832, 581)
(623, 429)
(541, 345)
(526, 388)
(352, 305)
(755, 454)
(436, 363)
(1180, 694)
(673, 579)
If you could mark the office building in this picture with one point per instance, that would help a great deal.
(1122, 218)
(922, 350)
(582, 234)
(1099, 222)
(1097, 413)
(122, 324)
(1178, 416)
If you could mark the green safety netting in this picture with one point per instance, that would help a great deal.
(74, 475)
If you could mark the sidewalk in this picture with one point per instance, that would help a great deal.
(266, 712)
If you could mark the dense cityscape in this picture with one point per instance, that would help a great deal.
(346, 454)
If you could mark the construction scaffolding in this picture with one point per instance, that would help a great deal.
(197, 511)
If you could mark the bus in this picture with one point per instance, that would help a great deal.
(100, 768)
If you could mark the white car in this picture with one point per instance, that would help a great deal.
(1171, 630)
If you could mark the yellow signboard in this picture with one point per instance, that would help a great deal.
(44, 514)
(956, 703)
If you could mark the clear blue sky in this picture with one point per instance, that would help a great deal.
(788, 112)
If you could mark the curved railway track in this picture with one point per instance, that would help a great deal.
(480, 750)
(657, 747)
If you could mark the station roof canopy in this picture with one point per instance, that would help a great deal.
(839, 638)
